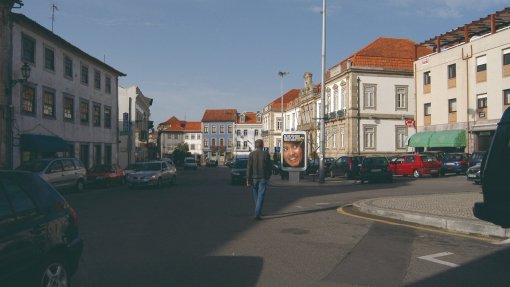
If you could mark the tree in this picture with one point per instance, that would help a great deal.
(180, 152)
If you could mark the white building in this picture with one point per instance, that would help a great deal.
(463, 88)
(248, 129)
(134, 125)
(175, 132)
(68, 105)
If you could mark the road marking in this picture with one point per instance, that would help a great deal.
(432, 258)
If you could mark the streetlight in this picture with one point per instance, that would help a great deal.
(323, 96)
(25, 73)
(281, 74)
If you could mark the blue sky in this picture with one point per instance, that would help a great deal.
(193, 55)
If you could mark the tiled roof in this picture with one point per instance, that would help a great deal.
(250, 118)
(287, 98)
(388, 53)
(225, 115)
(173, 124)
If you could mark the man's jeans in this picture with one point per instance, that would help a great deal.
(259, 191)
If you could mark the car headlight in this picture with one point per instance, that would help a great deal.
(236, 173)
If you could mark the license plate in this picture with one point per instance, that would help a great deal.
(471, 175)
(376, 170)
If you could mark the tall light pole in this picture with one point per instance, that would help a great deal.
(323, 97)
(281, 74)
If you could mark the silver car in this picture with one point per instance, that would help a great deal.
(153, 173)
(60, 172)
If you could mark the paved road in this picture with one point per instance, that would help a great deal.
(200, 233)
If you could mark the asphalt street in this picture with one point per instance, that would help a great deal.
(200, 232)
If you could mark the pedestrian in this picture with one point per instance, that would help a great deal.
(258, 172)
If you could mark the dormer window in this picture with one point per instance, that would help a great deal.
(243, 118)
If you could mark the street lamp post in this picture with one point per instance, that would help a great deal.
(281, 74)
(323, 97)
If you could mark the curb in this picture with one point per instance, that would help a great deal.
(461, 225)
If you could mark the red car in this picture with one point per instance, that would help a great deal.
(415, 165)
(105, 174)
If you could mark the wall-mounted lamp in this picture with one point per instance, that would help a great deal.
(25, 73)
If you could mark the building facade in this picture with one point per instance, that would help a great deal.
(175, 132)
(463, 88)
(67, 106)
(134, 125)
(218, 134)
(248, 129)
(369, 98)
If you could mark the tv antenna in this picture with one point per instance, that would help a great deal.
(53, 9)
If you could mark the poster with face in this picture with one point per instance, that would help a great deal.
(294, 151)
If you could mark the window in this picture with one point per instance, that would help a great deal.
(401, 97)
(230, 143)
(222, 129)
(206, 129)
(333, 137)
(245, 132)
(49, 59)
(27, 49)
(427, 109)
(107, 117)
(213, 129)
(222, 142)
(84, 112)
(213, 142)
(342, 138)
(245, 144)
(259, 118)
(369, 96)
(68, 109)
(230, 129)
(108, 85)
(28, 100)
(506, 97)
(206, 143)
(369, 137)
(96, 114)
(238, 132)
(48, 103)
(481, 101)
(481, 64)
(68, 67)
(192, 147)
(242, 118)
(238, 144)
(452, 105)
(97, 80)
(426, 78)
(452, 71)
(400, 139)
(84, 76)
(279, 124)
(256, 132)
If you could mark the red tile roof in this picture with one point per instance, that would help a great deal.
(225, 115)
(250, 118)
(173, 124)
(387, 53)
(288, 97)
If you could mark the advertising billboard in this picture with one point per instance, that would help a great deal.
(294, 151)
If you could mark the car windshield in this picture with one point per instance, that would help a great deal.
(427, 158)
(149, 166)
(34, 166)
(101, 168)
(477, 155)
(454, 157)
(240, 163)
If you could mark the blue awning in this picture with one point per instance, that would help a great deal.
(41, 143)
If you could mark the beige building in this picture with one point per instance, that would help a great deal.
(463, 88)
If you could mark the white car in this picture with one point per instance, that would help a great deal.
(190, 163)
(153, 173)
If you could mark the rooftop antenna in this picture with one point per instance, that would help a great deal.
(53, 9)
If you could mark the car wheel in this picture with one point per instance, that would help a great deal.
(54, 272)
(158, 184)
(362, 181)
(332, 174)
(80, 185)
(416, 173)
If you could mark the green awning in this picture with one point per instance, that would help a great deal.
(452, 138)
(41, 143)
(420, 139)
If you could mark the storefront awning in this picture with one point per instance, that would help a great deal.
(420, 139)
(41, 143)
(452, 138)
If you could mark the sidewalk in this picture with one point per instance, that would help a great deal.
(450, 211)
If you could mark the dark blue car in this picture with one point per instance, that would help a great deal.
(457, 163)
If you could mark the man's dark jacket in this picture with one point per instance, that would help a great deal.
(259, 165)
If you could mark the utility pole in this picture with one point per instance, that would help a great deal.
(323, 97)
(281, 74)
(53, 9)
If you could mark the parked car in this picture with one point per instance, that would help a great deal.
(238, 171)
(153, 173)
(476, 157)
(60, 172)
(416, 165)
(105, 175)
(454, 163)
(313, 165)
(473, 173)
(211, 163)
(40, 242)
(190, 163)
(375, 168)
(130, 168)
(347, 166)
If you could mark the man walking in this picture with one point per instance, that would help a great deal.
(258, 173)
